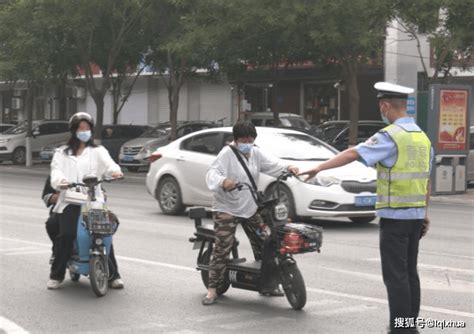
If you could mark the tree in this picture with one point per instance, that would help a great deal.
(449, 27)
(22, 57)
(174, 51)
(103, 33)
(343, 35)
(246, 34)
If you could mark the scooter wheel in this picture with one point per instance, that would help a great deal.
(98, 275)
(293, 285)
(74, 276)
(223, 287)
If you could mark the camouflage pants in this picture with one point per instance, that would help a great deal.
(224, 227)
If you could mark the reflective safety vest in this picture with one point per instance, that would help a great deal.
(404, 184)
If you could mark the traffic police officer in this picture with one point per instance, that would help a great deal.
(402, 153)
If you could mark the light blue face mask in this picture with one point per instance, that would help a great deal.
(244, 148)
(84, 136)
(384, 119)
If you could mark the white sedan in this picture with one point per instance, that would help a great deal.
(178, 171)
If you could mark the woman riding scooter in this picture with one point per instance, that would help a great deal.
(70, 163)
(230, 208)
(50, 198)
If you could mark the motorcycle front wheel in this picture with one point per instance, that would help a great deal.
(98, 275)
(224, 286)
(293, 285)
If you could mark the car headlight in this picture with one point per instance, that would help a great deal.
(4, 140)
(324, 181)
(147, 150)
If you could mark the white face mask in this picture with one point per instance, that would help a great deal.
(84, 136)
(245, 148)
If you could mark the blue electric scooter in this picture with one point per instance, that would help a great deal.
(94, 239)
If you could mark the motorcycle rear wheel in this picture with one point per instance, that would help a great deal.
(224, 286)
(98, 275)
(293, 285)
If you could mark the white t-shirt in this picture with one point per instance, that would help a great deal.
(92, 161)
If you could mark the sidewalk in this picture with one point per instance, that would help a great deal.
(466, 199)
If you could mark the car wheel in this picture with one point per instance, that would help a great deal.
(286, 197)
(362, 220)
(169, 196)
(133, 169)
(19, 156)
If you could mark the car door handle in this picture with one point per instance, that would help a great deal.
(180, 159)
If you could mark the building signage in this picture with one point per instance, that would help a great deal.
(452, 120)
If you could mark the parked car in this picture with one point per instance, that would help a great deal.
(470, 159)
(13, 141)
(336, 133)
(136, 153)
(5, 127)
(177, 175)
(113, 136)
(287, 120)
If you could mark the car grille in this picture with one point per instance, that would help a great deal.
(3, 148)
(132, 150)
(356, 187)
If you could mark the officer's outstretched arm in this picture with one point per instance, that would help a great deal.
(343, 158)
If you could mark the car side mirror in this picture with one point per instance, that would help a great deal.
(35, 133)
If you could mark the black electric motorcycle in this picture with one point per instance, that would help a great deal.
(284, 240)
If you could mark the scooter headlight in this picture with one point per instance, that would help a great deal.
(99, 241)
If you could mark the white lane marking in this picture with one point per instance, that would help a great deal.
(16, 249)
(217, 317)
(322, 302)
(448, 255)
(345, 310)
(328, 292)
(375, 277)
(154, 263)
(9, 327)
(32, 252)
(256, 320)
(433, 267)
(384, 302)
(456, 211)
(26, 242)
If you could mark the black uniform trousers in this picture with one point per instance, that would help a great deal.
(399, 241)
(62, 229)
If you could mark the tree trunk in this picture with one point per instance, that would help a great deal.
(62, 98)
(29, 118)
(350, 73)
(173, 99)
(276, 109)
(99, 103)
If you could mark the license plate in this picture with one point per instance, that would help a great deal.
(365, 200)
(128, 158)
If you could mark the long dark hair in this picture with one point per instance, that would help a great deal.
(74, 142)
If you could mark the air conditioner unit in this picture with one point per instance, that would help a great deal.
(78, 92)
(17, 103)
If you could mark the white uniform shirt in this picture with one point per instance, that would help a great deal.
(227, 166)
(92, 161)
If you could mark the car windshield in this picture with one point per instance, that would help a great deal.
(292, 146)
(157, 132)
(299, 123)
(20, 128)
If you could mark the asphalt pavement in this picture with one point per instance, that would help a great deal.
(163, 291)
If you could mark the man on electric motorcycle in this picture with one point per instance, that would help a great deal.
(50, 198)
(232, 208)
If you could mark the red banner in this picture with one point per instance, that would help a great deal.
(452, 133)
